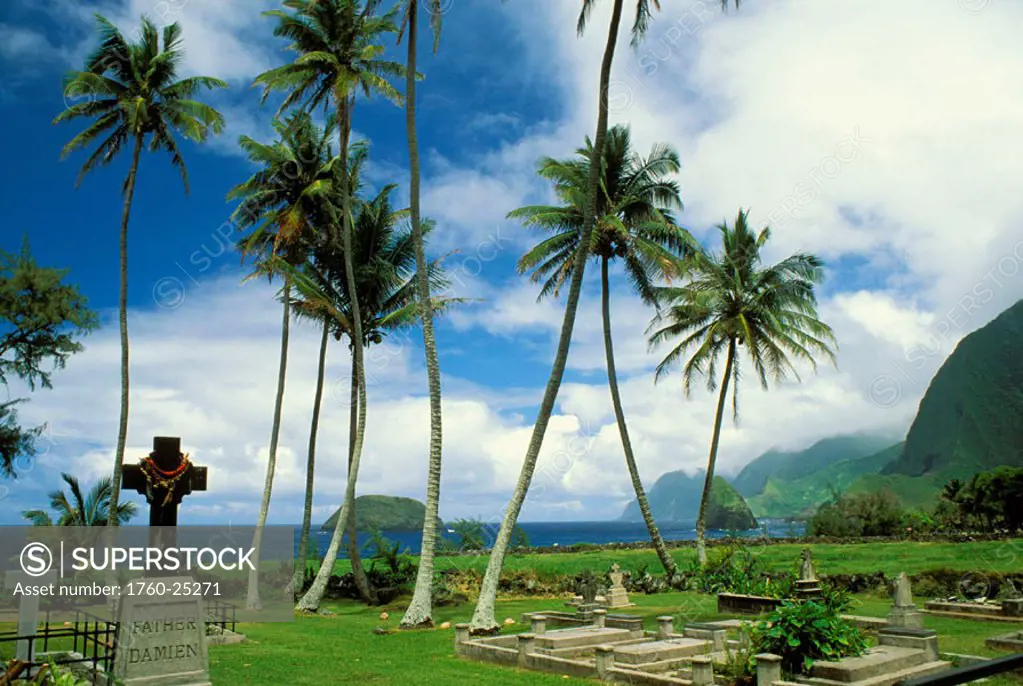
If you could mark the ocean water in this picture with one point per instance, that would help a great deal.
(548, 534)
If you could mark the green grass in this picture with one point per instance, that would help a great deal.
(344, 649)
(317, 650)
(866, 558)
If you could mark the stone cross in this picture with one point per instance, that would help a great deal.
(28, 609)
(163, 502)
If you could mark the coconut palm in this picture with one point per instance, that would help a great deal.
(386, 279)
(79, 509)
(633, 223)
(132, 94)
(338, 55)
(326, 256)
(733, 301)
(483, 619)
(420, 609)
(282, 207)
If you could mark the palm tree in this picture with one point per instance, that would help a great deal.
(634, 223)
(80, 509)
(483, 620)
(317, 274)
(338, 55)
(420, 610)
(133, 93)
(733, 301)
(283, 205)
(386, 279)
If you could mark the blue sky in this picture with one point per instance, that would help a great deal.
(853, 132)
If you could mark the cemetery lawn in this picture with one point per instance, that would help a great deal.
(344, 649)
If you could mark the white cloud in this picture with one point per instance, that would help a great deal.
(21, 43)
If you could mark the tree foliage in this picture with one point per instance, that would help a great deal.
(42, 320)
(78, 508)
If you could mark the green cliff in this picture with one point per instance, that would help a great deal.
(971, 417)
(675, 497)
(801, 496)
(783, 466)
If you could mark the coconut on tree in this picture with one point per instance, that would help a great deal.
(133, 98)
(733, 303)
(634, 224)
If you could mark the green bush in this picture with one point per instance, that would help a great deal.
(860, 514)
(802, 633)
(735, 569)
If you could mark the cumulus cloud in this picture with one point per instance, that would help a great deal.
(856, 135)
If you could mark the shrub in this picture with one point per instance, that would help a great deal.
(735, 569)
(860, 514)
(802, 633)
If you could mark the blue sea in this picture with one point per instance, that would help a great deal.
(562, 534)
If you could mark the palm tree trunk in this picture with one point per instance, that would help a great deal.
(365, 589)
(307, 509)
(252, 600)
(483, 620)
(701, 541)
(616, 401)
(122, 317)
(311, 600)
(420, 610)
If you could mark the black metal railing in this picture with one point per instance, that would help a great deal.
(964, 675)
(89, 636)
(220, 614)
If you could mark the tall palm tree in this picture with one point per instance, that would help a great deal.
(633, 223)
(420, 610)
(338, 55)
(733, 301)
(483, 619)
(79, 509)
(386, 279)
(133, 93)
(282, 206)
(326, 255)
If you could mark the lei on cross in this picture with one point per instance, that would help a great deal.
(159, 478)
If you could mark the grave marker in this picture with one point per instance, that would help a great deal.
(28, 609)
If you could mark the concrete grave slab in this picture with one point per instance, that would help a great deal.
(658, 651)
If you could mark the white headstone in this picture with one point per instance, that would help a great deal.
(28, 607)
(161, 640)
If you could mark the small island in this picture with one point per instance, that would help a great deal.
(384, 513)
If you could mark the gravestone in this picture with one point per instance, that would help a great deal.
(904, 613)
(587, 588)
(28, 609)
(808, 587)
(617, 596)
(161, 640)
